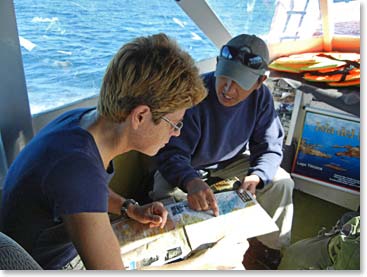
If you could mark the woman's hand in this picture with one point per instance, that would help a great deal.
(154, 214)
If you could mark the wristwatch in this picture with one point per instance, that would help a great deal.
(125, 205)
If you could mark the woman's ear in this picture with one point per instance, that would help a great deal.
(140, 115)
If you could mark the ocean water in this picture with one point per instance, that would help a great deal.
(66, 45)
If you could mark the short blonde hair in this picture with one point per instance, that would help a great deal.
(150, 71)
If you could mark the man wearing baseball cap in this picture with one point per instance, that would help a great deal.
(235, 131)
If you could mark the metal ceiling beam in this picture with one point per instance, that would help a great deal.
(15, 116)
(211, 25)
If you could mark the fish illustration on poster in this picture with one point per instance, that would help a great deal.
(329, 150)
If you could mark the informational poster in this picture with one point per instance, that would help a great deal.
(329, 150)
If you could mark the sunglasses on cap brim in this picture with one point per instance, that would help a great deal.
(243, 55)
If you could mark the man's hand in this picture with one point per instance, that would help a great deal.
(200, 197)
(250, 183)
(154, 214)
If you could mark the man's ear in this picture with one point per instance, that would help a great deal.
(261, 79)
(139, 115)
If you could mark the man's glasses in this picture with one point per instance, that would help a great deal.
(244, 55)
(176, 127)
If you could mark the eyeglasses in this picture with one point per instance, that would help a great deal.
(244, 55)
(176, 127)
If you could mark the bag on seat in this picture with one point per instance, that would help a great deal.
(338, 248)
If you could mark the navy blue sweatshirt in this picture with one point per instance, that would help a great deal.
(213, 133)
